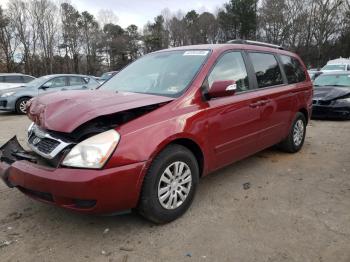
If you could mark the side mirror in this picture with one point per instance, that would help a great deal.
(222, 89)
(45, 86)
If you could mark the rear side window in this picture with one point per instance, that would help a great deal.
(293, 69)
(2, 80)
(230, 67)
(76, 81)
(267, 70)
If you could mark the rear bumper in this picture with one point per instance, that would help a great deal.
(87, 191)
(330, 112)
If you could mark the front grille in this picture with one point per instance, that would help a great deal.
(45, 145)
(321, 102)
(3, 103)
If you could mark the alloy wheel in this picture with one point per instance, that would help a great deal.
(298, 132)
(174, 185)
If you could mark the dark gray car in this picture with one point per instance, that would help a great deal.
(15, 99)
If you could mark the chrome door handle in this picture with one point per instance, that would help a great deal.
(256, 104)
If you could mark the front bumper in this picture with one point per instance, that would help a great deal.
(7, 104)
(88, 191)
(330, 112)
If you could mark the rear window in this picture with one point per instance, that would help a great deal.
(293, 69)
(266, 69)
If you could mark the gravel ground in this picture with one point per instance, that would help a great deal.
(296, 208)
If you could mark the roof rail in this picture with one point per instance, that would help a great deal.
(250, 42)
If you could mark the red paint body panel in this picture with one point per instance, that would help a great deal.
(226, 129)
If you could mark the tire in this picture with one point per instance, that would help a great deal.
(155, 204)
(20, 109)
(296, 137)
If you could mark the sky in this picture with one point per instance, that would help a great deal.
(139, 12)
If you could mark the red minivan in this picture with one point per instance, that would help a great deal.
(146, 136)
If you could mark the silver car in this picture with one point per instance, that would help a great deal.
(15, 99)
(11, 80)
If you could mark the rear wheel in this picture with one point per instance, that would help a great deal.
(295, 139)
(170, 185)
(21, 105)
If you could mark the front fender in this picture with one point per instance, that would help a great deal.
(146, 142)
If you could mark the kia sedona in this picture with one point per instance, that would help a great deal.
(144, 139)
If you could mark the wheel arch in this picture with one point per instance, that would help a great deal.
(305, 113)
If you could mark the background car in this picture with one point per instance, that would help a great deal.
(106, 76)
(332, 96)
(12, 80)
(15, 99)
(340, 64)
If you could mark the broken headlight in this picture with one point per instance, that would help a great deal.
(94, 151)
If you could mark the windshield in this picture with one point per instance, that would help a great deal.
(334, 67)
(333, 80)
(165, 73)
(39, 81)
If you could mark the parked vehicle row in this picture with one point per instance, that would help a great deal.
(15, 99)
(145, 137)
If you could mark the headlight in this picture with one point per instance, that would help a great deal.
(8, 94)
(94, 151)
(344, 100)
(347, 99)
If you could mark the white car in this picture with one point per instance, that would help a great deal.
(340, 64)
(12, 80)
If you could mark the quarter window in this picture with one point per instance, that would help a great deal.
(293, 69)
(266, 69)
(230, 67)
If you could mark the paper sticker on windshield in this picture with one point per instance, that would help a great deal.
(196, 52)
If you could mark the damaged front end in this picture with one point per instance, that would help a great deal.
(10, 153)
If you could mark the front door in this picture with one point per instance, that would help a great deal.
(234, 121)
(55, 84)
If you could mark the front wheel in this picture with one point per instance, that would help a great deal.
(21, 105)
(295, 139)
(169, 185)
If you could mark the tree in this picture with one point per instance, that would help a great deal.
(8, 41)
(238, 19)
(45, 26)
(71, 34)
(155, 35)
(89, 40)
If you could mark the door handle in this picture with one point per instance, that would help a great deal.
(264, 102)
(259, 103)
(256, 104)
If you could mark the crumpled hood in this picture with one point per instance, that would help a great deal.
(328, 93)
(65, 111)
